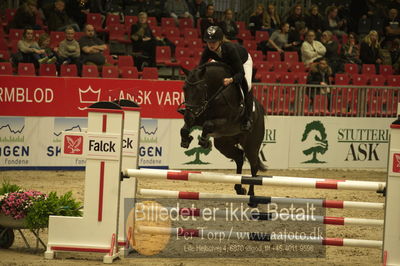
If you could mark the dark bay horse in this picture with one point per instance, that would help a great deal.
(218, 111)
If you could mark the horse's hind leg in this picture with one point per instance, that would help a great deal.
(227, 146)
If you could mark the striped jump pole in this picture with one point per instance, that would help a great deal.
(254, 236)
(262, 216)
(338, 204)
(259, 180)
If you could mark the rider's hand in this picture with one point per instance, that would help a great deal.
(228, 81)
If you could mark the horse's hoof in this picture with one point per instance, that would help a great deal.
(240, 190)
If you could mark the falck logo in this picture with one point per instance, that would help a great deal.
(73, 144)
(88, 96)
(396, 162)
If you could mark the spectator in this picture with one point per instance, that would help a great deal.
(394, 4)
(311, 49)
(256, 20)
(392, 26)
(143, 42)
(314, 20)
(152, 8)
(333, 23)
(320, 74)
(44, 44)
(92, 48)
(197, 9)
(177, 9)
(279, 40)
(369, 49)
(77, 10)
(297, 36)
(295, 14)
(58, 20)
(332, 50)
(395, 55)
(228, 25)
(272, 20)
(350, 52)
(29, 50)
(69, 50)
(209, 20)
(26, 16)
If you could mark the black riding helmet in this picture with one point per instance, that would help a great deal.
(213, 34)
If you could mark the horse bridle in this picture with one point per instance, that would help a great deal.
(198, 110)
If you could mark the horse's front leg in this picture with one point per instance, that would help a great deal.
(204, 140)
(185, 136)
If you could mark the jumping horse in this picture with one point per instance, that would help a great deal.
(218, 110)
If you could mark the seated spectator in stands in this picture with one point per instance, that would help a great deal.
(278, 41)
(272, 20)
(320, 74)
(105, 7)
(197, 9)
(228, 25)
(311, 49)
(297, 36)
(44, 44)
(392, 26)
(209, 20)
(143, 41)
(58, 20)
(395, 55)
(77, 10)
(25, 16)
(92, 48)
(333, 23)
(369, 49)
(256, 20)
(332, 50)
(29, 50)
(314, 20)
(177, 9)
(295, 14)
(350, 53)
(69, 50)
(152, 8)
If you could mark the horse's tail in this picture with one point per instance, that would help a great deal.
(261, 166)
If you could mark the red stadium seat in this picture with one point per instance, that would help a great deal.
(245, 35)
(393, 80)
(250, 45)
(150, 73)
(157, 31)
(110, 72)
(185, 23)
(5, 68)
(15, 34)
(194, 43)
(96, 20)
(256, 55)
(4, 55)
(130, 20)
(129, 72)
(368, 69)
(188, 63)
(26, 69)
(190, 33)
(291, 57)
(297, 67)
(152, 21)
(281, 67)
(351, 69)
(90, 71)
(178, 41)
(168, 22)
(241, 25)
(342, 79)
(125, 60)
(273, 56)
(171, 32)
(261, 36)
(69, 70)
(385, 70)
(112, 19)
(182, 52)
(110, 59)
(360, 79)
(117, 33)
(48, 70)
(56, 37)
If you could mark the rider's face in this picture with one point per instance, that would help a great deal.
(213, 46)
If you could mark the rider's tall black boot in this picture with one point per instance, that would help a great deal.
(247, 121)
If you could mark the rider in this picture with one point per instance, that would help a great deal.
(220, 49)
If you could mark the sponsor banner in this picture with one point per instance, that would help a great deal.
(339, 142)
(70, 97)
(154, 142)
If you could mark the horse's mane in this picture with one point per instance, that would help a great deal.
(217, 64)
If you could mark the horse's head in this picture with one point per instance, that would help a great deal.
(196, 92)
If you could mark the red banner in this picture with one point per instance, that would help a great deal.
(69, 97)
